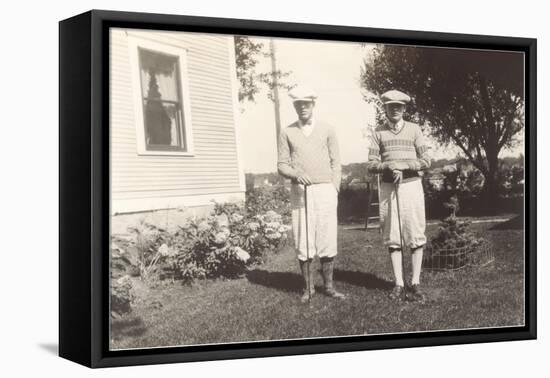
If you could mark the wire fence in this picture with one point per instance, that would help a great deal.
(441, 259)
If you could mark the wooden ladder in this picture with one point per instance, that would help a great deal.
(373, 204)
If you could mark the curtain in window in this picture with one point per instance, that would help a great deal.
(161, 100)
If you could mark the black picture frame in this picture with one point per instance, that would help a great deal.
(84, 188)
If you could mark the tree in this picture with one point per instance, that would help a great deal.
(247, 57)
(472, 98)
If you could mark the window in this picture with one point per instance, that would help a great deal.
(161, 98)
(161, 101)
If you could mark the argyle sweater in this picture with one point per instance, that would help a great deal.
(316, 155)
(406, 145)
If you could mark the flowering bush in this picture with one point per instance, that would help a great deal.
(261, 200)
(221, 245)
(272, 227)
(259, 235)
(204, 249)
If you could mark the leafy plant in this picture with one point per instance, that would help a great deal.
(204, 250)
(261, 200)
(224, 245)
(220, 245)
(454, 247)
(151, 244)
(227, 208)
(121, 296)
(455, 243)
(454, 234)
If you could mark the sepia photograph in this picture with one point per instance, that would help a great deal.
(266, 189)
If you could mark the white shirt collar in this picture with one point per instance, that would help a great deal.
(396, 126)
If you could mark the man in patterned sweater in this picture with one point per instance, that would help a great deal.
(399, 152)
(309, 157)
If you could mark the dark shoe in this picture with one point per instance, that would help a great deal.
(327, 270)
(416, 294)
(397, 292)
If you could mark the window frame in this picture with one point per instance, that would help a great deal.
(134, 44)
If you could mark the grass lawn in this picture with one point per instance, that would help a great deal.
(264, 304)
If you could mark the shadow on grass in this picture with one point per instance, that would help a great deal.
(284, 281)
(128, 327)
(366, 280)
(292, 282)
(515, 223)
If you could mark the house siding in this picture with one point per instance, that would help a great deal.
(149, 182)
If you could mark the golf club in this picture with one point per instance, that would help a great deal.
(401, 240)
(308, 280)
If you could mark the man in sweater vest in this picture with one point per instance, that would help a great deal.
(309, 157)
(399, 152)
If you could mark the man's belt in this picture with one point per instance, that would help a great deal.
(407, 175)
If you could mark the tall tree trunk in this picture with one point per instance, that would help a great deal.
(491, 189)
(491, 194)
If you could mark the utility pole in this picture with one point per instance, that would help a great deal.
(276, 103)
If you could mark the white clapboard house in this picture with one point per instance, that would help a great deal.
(173, 112)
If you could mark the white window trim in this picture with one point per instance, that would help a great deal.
(133, 44)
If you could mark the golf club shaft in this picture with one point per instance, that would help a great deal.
(308, 280)
(400, 233)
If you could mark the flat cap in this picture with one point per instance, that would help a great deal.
(395, 97)
(302, 93)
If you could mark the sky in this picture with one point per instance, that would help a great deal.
(333, 70)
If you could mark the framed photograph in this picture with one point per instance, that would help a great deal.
(235, 188)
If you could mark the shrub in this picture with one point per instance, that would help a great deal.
(511, 179)
(264, 233)
(454, 234)
(221, 245)
(227, 208)
(121, 296)
(122, 261)
(151, 244)
(467, 183)
(121, 284)
(454, 243)
(204, 251)
(454, 246)
(262, 200)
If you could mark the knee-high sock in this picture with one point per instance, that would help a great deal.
(396, 262)
(416, 265)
